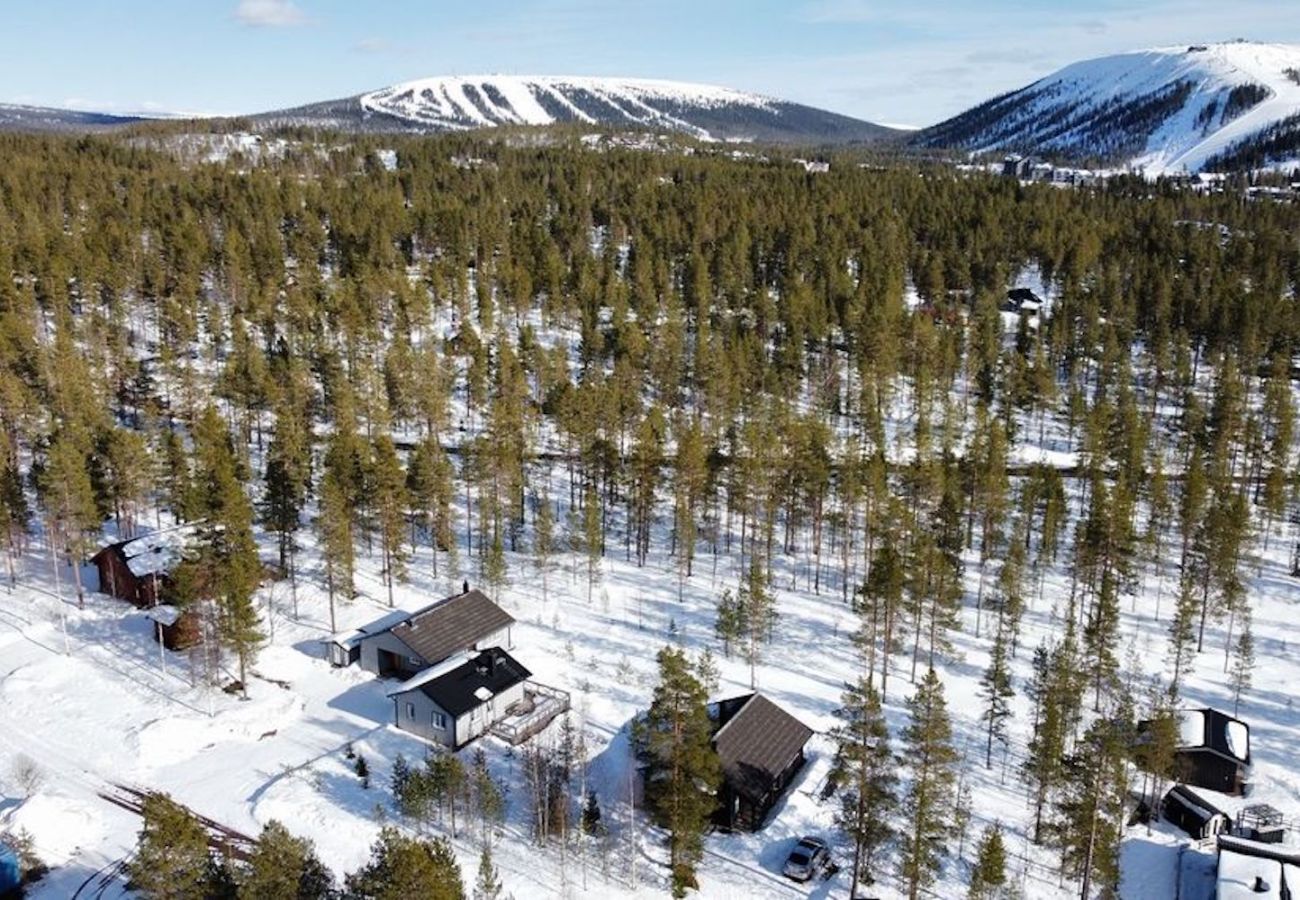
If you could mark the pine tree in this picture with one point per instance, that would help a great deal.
(69, 497)
(391, 502)
(488, 885)
(930, 758)
(864, 774)
(543, 539)
(402, 867)
(682, 766)
(757, 607)
(1088, 819)
(283, 867)
(1243, 662)
(990, 875)
(171, 860)
(227, 549)
(996, 691)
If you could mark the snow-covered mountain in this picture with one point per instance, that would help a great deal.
(1165, 110)
(465, 102)
(40, 118)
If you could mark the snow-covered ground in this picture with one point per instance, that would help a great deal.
(99, 704)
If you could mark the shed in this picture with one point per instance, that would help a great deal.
(1193, 813)
(453, 703)
(405, 644)
(1213, 750)
(761, 749)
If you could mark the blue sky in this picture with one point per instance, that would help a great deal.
(895, 61)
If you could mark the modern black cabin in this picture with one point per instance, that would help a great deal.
(760, 747)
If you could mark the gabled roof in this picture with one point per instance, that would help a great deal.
(470, 684)
(757, 744)
(155, 553)
(451, 625)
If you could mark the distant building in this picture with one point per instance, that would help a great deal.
(1022, 300)
(403, 644)
(453, 703)
(1016, 166)
(761, 749)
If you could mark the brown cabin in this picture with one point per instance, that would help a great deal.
(760, 747)
(139, 570)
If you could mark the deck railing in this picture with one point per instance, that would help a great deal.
(547, 702)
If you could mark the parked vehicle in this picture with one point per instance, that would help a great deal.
(809, 858)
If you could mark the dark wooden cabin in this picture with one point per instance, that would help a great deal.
(1213, 751)
(761, 748)
(139, 570)
(1193, 813)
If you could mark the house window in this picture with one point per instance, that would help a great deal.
(439, 720)
(410, 710)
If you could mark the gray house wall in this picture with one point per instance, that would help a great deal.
(384, 640)
(414, 713)
(500, 639)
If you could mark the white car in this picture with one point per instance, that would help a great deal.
(809, 858)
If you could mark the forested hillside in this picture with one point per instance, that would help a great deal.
(487, 358)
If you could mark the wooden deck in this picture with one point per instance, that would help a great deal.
(541, 706)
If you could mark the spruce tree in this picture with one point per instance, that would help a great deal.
(402, 867)
(864, 774)
(990, 875)
(927, 803)
(488, 884)
(682, 767)
(172, 860)
(283, 867)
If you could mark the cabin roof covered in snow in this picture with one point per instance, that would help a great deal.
(156, 553)
(1245, 865)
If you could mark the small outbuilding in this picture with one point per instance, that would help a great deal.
(761, 749)
(1194, 814)
(459, 700)
(1213, 751)
(406, 644)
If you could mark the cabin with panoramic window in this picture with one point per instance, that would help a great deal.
(761, 749)
(402, 645)
(1213, 751)
(459, 700)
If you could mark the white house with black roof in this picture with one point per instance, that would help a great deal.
(460, 699)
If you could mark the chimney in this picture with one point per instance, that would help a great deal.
(1261, 886)
(464, 586)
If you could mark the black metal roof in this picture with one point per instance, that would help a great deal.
(451, 625)
(461, 689)
(757, 744)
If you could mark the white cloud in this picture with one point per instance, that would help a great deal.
(269, 13)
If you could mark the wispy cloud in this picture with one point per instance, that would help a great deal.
(269, 13)
(373, 45)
